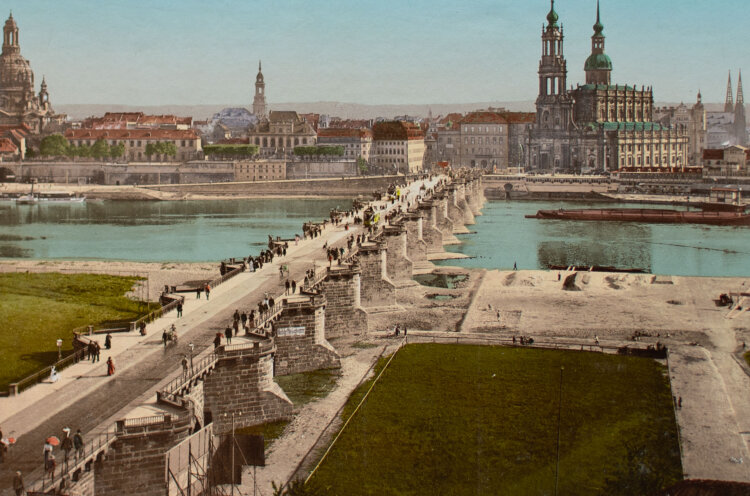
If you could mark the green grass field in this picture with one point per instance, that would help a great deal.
(456, 419)
(37, 309)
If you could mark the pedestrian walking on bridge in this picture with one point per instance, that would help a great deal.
(78, 443)
(110, 366)
(179, 309)
(18, 485)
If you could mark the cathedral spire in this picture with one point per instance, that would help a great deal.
(729, 103)
(740, 96)
(552, 17)
(598, 27)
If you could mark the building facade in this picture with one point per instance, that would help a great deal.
(356, 142)
(187, 142)
(259, 170)
(399, 147)
(19, 105)
(598, 125)
(281, 132)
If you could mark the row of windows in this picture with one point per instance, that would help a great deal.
(481, 151)
(132, 143)
(656, 147)
(657, 160)
(483, 129)
(273, 142)
(481, 141)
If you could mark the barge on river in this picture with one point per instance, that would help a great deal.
(647, 215)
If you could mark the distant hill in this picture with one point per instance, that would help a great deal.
(334, 109)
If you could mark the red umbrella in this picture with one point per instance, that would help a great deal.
(53, 440)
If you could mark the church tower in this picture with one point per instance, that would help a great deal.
(10, 37)
(729, 103)
(740, 123)
(598, 66)
(259, 102)
(554, 106)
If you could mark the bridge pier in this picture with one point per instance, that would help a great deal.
(416, 248)
(136, 461)
(344, 314)
(463, 204)
(299, 334)
(377, 289)
(431, 235)
(242, 384)
(399, 266)
(443, 222)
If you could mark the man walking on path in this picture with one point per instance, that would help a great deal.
(294, 286)
(164, 338)
(184, 366)
(67, 446)
(287, 285)
(97, 350)
(179, 309)
(228, 334)
(207, 289)
(18, 485)
(78, 443)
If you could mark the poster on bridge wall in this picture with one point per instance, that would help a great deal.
(291, 331)
(187, 464)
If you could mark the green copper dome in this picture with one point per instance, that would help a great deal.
(552, 17)
(598, 61)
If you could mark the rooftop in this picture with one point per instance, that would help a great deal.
(145, 134)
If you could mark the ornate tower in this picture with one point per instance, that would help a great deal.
(598, 66)
(10, 37)
(729, 104)
(259, 102)
(44, 95)
(554, 106)
(740, 124)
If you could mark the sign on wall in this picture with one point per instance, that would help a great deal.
(291, 331)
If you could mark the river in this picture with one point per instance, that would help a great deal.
(206, 231)
(503, 237)
(169, 231)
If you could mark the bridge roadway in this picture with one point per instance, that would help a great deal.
(92, 401)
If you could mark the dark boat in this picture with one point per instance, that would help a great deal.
(647, 215)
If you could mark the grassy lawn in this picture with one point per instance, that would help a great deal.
(459, 419)
(37, 309)
(308, 386)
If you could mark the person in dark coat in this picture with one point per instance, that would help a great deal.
(164, 338)
(228, 334)
(108, 341)
(179, 309)
(18, 485)
(217, 340)
(97, 350)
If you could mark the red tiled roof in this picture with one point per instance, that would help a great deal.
(397, 130)
(344, 132)
(143, 134)
(454, 117)
(23, 129)
(486, 117)
(350, 123)
(115, 120)
(7, 146)
(520, 117)
(713, 154)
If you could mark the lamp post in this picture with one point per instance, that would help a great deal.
(191, 346)
(559, 405)
(59, 349)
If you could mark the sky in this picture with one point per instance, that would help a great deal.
(191, 52)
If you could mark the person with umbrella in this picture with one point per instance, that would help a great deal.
(48, 447)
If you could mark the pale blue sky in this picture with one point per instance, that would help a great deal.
(374, 52)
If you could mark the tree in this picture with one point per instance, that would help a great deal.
(30, 152)
(84, 151)
(151, 150)
(168, 148)
(54, 146)
(116, 151)
(100, 149)
(362, 165)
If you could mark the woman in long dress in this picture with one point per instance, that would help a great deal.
(110, 366)
(53, 375)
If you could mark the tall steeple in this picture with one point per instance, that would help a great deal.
(598, 66)
(554, 105)
(729, 104)
(740, 122)
(259, 102)
(10, 36)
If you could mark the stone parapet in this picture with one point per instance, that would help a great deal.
(431, 235)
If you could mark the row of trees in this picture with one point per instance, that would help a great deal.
(231, 150)
(57, 146)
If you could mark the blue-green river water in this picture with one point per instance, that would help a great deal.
(207, 231)
(504, 237)
(185, 231)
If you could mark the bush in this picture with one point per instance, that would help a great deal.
(317, 151)
(231, 150)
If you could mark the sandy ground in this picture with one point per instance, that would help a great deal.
(705, 341)
(156, 275)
